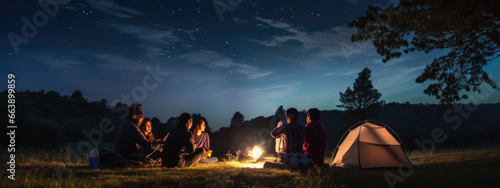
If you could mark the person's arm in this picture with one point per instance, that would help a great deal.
(306, 140)
(278, 131)
(190, 145)
(141, 139)
(208, 142)
(165, 138)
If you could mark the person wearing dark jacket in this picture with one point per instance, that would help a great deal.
(180, 149)
(130, 142)
(316, 138)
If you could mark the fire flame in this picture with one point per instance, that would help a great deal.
(255, 153)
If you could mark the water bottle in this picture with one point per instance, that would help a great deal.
(94, 158)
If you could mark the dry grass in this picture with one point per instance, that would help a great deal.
(442, 168)
(452, 155)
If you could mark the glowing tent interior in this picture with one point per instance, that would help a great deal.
(369, 145)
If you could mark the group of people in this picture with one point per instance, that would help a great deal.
(179, 148)
(310, 139)
(182, 147)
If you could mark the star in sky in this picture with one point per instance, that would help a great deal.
(261, 55)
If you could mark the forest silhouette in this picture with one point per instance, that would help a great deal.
(49, 119)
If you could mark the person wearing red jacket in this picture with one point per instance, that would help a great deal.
(315, 138)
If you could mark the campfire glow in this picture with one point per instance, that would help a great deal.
(252, 165)
(255, 153)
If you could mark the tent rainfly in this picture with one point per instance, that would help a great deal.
(368, 145)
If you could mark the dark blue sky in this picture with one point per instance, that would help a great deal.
(247, 56)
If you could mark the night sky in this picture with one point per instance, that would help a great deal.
(192, 56)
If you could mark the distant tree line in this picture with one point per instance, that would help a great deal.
(48, 119)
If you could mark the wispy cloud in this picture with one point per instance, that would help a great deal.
(275, 24)
(328, 74)
(66, 64)
(153, 51)
(344, 72)
(163, 35)
(332, 42)
(276, 91)
(156, 40)
(119, 63)
(239, 20)
(398, 79)
(214, 59)
(110, 7)
(272, 91)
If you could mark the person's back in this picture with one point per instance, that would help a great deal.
(292, 133)
(129, 137)
(316, 138)
(294, 138)
(179, 149)
(125, 143)
(179, 142)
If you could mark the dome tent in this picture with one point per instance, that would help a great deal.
(369, 145)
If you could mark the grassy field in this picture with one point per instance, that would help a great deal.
(448, 168)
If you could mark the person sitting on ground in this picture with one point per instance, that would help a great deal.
(146, 131)
(130, 142)
(180, 149)
(316, 138)
(292, 133)
(280, 115)
(202, 140)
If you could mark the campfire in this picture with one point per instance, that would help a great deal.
(255, 153)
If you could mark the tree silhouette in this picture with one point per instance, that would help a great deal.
(53, 95)
(361, 102)
(104, 102)
(77, 97)
(237, 119)
(362, 95)
(469, 30)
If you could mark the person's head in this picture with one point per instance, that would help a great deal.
(135, 114)
(185, 119)
(200, 125)
(146, 126)
(292, 115)
(313, 114)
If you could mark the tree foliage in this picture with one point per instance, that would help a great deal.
(77, 97)
(49, 119)
(469, 30)
(237, 119)
(362, 95)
